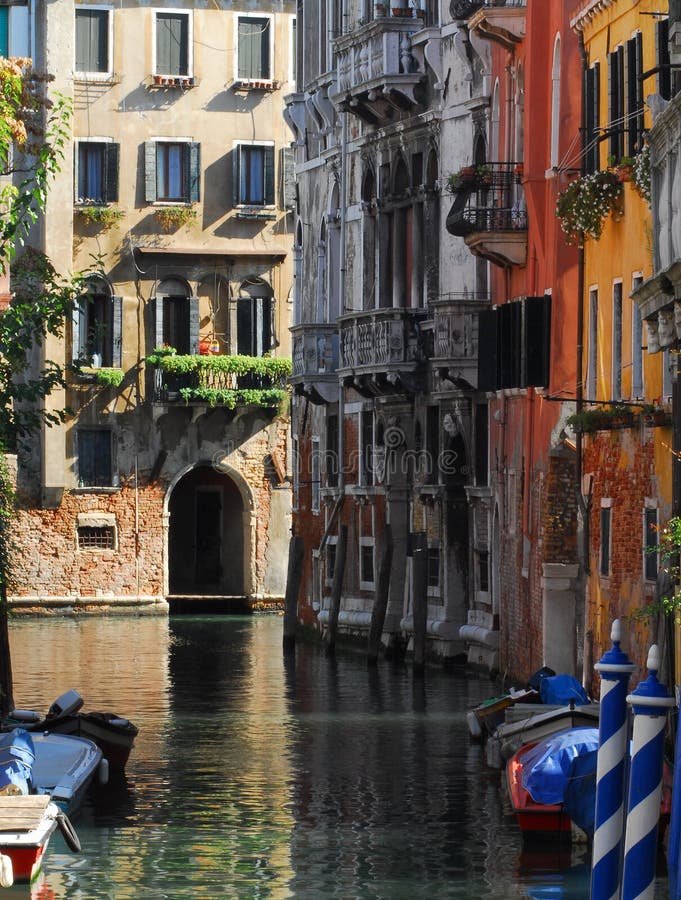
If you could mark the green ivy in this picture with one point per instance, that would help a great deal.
(109, 377)
(266, 398)
(272, 368)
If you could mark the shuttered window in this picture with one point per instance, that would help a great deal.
(254, 48)
(254, 325)
(664, 75)
(288, 179)
(634, 94)
(97, 329)
(96, 172)
(537, 341)
(172, 44)
(592, 112)
(172, 171)
(92, 40)
(95, 457)
(177, 322)
(255, 174)
(616, 123)
(514, 345)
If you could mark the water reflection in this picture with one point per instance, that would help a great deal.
(258, 776)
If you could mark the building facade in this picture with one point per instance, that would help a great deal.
(169, 479)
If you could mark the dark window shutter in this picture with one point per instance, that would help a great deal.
(537, 340)
(267, 311)
(244, 326)
(92, 40)
(288, 180)
(194, 325)
(268, 163)
(254, 48)
(172, 44)
(510, 337)
(238, 165)
(158, 320)
(150, 171)
(111, 154)
(634, 104)
(664, 77)
(488, 378)
(117, 331)
(194, 181)
(592, 84)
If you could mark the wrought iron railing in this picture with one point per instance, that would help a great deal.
(491, 199)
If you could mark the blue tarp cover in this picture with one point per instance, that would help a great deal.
(561, 690)
(546, 766)
(16, 759)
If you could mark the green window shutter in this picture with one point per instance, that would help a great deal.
(238, 168)
(111, 155)
(172, 40)
(244, 326)
(150, 171)
(288, 178)
(158, 320)
(92, 40)
(4, 31)
(117, 331)
(254, 48)
(268, 163)
(194, 325)
(194, 179)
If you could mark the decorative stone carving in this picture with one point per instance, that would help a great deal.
(666, 327)
(653, 338)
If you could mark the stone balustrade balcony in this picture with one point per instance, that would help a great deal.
(455, 337)
(315, 361)
(377, 73)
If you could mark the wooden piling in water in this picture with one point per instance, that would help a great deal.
(419, 583)
(381, 601)
(337, 588)
(293, 577)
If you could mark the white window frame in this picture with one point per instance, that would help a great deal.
(667, 380)
(617, 334)
(81, 201)
(96, 76)
(171, 140)
(554, 149)
(190, 42)
(592, 345)
(19, 34)
(253, 15)
(606, 503)
(637, 367)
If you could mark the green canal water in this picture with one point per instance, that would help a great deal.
(258, 777)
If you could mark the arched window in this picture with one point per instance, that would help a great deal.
(177, 316)
(369, 240)
(519, 154)
(555, 104)
(496, 118)
(97, 325)
(254, 312)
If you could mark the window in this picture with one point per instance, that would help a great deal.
(664, 77)
(366, 564)
(634, 87)
(367, 447)
(172, 171)
(98, 327)
(177, 319)
(433, 564)
(173, 44)
(93, 40)
(331, 558)
(606, 517)
(555, 105)
(254, 48)
(650, 543)
(95, 463)
(96, 537)
(96, 171)
(617, 340)
(592, 350)
(592, 113)
(616, 121)
(636, 344)
(254, 324)
(315, 476)
(254, 175)
(332, 461)
(514, 344)
(14, 30)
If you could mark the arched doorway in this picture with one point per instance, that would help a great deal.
(206, 535)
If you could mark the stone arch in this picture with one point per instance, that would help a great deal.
(216, 516)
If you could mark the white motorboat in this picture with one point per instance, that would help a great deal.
(64, 767)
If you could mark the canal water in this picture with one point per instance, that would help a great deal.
(257, 777)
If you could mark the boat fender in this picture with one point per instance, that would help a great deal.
(68, 832)
(103, 771)
(24, 715)
(6, 871)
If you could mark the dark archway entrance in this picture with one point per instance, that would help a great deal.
(205, 538)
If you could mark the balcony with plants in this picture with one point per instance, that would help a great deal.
(381, 350)
(220, 380)
(316, 355)
(489, 211)
(377, 72)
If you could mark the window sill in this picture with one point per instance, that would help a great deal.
(256, 84)
(97, 490)
(163, 82)
(97, 78)
(255, 212)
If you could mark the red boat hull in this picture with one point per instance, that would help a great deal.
(26, 861)
(535, 819)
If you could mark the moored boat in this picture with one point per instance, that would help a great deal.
(27, 823)
(64, 767)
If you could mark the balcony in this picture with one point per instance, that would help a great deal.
(381, 350)
(315, 361)
(377, 74)
(455, 350)
(501, 21)
(489, 214)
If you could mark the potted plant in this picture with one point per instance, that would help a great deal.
(171, 218)
(655, 416)
(585, 203)
(101, 215)
(601, 418)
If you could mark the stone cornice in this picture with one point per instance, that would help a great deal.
(586, 12)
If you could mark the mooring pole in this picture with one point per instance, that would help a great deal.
(650, 703)
(615, 669)
(381, 602)
(337, 588)
(293, 576)
(419, 582)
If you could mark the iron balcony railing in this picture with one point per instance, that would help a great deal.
(491, 199)
(464, 9)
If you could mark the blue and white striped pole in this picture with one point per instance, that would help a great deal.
(674, 851)
(650, 703)
(614, 668)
